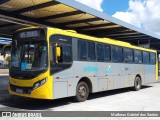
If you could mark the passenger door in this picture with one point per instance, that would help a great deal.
(61, 64)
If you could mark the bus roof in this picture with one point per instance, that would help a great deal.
(90, 38)
(102, 40)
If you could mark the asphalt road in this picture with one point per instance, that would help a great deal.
(147, 99)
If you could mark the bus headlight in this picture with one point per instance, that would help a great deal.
(39, 83)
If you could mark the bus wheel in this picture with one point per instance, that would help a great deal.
(82, 92)
(137, 83)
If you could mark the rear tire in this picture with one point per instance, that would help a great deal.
(137, 83)
(82, 92)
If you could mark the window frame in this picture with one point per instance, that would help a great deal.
(70, 56)
(141, 56)
(98, 52)
(132, 55)
(110, 57)
(81, 40)
(95, 55)
(112, 54)
(55, 38)
(151, 56)
(148, 57)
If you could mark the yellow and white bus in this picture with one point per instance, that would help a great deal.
(50, 63)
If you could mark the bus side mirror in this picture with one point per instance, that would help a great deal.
(58, 52)
(7, 58)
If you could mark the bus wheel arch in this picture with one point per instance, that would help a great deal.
(137, 82)
(138, 75)
(83, 89)
(88, 82)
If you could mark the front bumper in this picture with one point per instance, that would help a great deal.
(42, 92)
(25, 87)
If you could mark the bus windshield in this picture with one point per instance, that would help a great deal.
(29, 55)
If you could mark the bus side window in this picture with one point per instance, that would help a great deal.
(91, 51)
(66, 54)
(107, 53)
(117, 54)
(145, 57)
(100, 52)
(137, 56)
(82, 50)
(152, 58)
(128, 55)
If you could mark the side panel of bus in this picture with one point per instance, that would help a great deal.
(102, 75)
(67, 81)
(105, 76)
(150, 73)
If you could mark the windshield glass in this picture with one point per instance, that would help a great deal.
(29, 55)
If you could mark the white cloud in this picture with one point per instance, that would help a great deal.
(142, 12)
(128, 17)
(96, 4)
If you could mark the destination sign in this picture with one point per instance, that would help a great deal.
(28, 34)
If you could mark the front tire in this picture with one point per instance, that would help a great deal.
(82, 92)
(137, 83)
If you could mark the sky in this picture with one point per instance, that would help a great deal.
(144, 14)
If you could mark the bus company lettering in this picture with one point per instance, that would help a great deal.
(90, 69)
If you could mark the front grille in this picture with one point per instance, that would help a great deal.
(24, 90)
(25, 75)
(21, 75)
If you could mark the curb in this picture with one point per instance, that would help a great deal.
(4, 74)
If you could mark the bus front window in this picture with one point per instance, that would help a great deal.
(27, 56)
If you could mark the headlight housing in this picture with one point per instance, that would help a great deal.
(39, 83)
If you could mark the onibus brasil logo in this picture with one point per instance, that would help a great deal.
(21, 114)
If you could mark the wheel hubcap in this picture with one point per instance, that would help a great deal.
(138, 83)
(82, 91)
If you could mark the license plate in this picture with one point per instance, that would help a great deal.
(19, 90)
